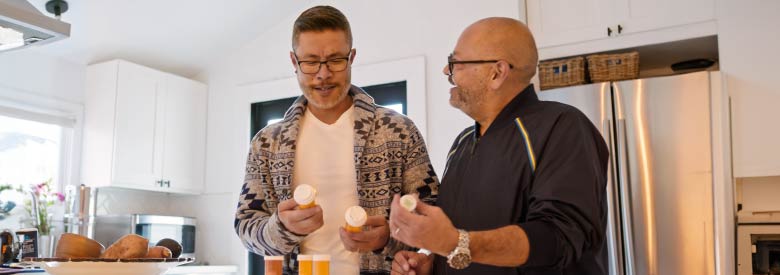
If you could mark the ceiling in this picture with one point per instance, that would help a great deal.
(178, 36)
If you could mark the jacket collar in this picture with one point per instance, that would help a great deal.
(512, 109)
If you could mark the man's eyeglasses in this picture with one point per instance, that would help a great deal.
(313, 67)
(451, 63)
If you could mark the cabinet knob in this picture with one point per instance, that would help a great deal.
(167, 183)
(609, 31)
(620, 29)
(159, 183)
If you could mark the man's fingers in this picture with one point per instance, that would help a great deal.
(298, 215)
(366, 236)
(287, 205)
(425, 209)
(360, 237)
(412, 262)
(376, 221)
(398, 215)
(401, 258)
(348, 243)
(397, 269)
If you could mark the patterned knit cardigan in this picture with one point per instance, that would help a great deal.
(390, 158)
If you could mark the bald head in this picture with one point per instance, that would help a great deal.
(503, 38)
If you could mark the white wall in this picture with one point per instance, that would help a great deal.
(28, 71)
(383, 31)
(748, 44)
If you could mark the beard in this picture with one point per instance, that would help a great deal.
(467, 100)
(314, 95)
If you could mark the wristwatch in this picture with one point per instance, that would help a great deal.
(460, 258)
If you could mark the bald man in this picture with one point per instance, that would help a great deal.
(524, 189)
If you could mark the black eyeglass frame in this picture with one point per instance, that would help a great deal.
(319, 67)
(451, 64)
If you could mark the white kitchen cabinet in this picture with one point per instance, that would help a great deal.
(143, 129)
(185, 135)
(561, 22)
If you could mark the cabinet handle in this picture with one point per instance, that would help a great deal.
(620, 29)
(159, 183)
(609, 31)
(167, 183)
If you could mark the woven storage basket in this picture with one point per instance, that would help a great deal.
(613, 67)
(562, 72)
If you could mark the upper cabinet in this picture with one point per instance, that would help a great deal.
(144, 129)
(557, 23)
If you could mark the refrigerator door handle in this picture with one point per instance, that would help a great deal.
(624, 188)
(615, 240)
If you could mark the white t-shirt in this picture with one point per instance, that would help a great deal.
(324, 159)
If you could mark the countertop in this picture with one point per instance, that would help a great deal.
(189, 269)
(203, 269)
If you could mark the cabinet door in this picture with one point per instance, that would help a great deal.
(560, 22)
(185, 135)
(644, 15)
(137, 133)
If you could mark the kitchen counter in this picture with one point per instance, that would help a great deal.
(204, 269)
(189, 270)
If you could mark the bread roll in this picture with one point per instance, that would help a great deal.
(130, 246)
(77, 246)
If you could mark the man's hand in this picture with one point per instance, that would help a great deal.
(412, 263)
(300, 221)
(431, 229)
(374, 237)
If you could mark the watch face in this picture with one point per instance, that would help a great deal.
(460, 260)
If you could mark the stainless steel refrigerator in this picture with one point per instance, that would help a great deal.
(660, 177)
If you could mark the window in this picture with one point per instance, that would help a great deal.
(268, 112)
(31, 152)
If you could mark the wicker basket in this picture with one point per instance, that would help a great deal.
(613, 67)
(562, 72)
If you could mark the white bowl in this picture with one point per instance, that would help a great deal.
(86, 267)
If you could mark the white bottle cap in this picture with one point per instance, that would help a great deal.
(409, 202)
(321, 258)
(302, 257)
(304, 194)
(356, 216)
(273, 258)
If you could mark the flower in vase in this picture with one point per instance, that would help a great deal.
(41, 196)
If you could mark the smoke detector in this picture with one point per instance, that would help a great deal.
(21, 24)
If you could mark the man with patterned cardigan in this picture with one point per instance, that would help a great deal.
(335, 138)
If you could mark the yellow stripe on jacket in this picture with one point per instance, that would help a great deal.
(527, 141)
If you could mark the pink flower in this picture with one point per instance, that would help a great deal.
(60, 197)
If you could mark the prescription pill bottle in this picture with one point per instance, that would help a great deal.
(304, 196)
(321, 264)
(273, 265)
(356, 217)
